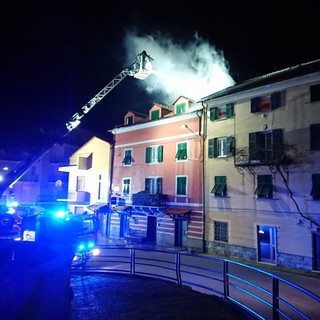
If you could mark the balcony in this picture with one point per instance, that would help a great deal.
(82, 197)
(143, 198)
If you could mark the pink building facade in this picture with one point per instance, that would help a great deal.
(157, 174)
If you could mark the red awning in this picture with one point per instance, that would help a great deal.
(178, 211)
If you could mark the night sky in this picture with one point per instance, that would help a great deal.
(56, 55)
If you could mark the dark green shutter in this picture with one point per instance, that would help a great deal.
(229, 110)
(148, 154)
(160, 153)
(210, 148)
(275, 100)
(230, 146)
(159, 185)
(155, 114)
(277, 144)
(213, 113)
(147, 185)
(255, 104)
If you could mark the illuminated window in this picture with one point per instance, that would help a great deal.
(226, 111)
(268, 102)
(220, 231)
(315, 192)
(265, 187)
(127, 160)
(154, 154)
(181, 151)
(126, 187)
(181, 185)
(153, 185)
(220, 186)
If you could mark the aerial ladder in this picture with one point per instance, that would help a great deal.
(141, 68)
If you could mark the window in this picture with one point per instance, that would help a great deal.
(314, 136)
(265, 187)
(126, 187)
(268, 102)
(220, 231)
(81, 183)
(181, 108)
(155, 114)
(181, 186)
(315, 93)
(220, 147)
(129, 120)
(220, 186)
(154, 154)
(127, 160)
(266, 146)
(153, 185)
(181, 151)
(315, 192)
(226, 111)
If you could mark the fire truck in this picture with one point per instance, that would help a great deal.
(55, 226)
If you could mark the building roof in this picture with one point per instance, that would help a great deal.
(284, 74)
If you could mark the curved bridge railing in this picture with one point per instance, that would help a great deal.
(264, 295)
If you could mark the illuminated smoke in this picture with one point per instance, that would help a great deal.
(194, 69)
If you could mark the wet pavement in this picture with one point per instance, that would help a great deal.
(120, 297)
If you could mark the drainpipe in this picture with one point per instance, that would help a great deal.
(112, 152)
(204, 134)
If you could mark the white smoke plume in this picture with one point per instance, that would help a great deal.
(194, 69)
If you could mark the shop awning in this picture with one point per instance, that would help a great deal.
(179, 213)
(102, 207)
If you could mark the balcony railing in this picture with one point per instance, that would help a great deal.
(143, 198)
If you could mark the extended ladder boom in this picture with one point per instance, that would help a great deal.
(140, 69)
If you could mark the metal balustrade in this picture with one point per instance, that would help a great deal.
(264, 295)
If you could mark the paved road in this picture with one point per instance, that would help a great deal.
(310, 307)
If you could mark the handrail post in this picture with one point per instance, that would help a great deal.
(133, 261)
(178, 270)
(225, 267)
(275, 300)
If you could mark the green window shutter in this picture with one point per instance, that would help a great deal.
(159, 185)
(230, 146)
(277, 144)
(215, 148)
(253, 146)
(265, 187)
(210, 148)
(160, 153)
(148, 154)
(155, 114)
(255, 104)
(181, 186)
(181, 108)
(275, 100)
(182, 151)
(229, 110)
(220, 186)
(147, 185)
(213, 113)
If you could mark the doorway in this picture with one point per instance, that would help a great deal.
(152, 229)
(266, 236)
(316, 250)
(181, 233)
